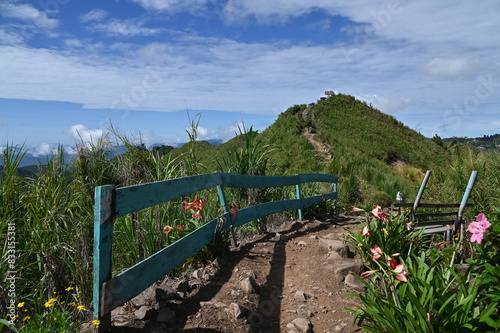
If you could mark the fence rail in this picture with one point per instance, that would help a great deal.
(110, 202)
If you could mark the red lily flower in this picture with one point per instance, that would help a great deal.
(197, 204)
(393, 263)
(234, 211)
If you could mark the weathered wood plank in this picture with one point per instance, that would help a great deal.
(244, 181)
(435, 230)
(318, 178)
(435, 222)
(317, 199)
(432, 205)
(421, 215)
(137, 278)
(103, 232)
(133, 198)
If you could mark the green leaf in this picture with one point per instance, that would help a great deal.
(485, 314)
(489, 268)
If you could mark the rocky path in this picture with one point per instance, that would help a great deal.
(293, 279)
(318, 146)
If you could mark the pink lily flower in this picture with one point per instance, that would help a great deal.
(378, 213)
(478, 228)
(366, 232)
(400, 273)
(376, 252)
(355, 210)
(408, 226)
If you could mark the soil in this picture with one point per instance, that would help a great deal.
(291, 279)
(320, 147)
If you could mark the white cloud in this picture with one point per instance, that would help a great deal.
(10, 37)
(27, 13)
(450, 69)
(69, 150)
(84, 135)
(123, 28)
(203, 133)
(94, 15)
(41, 149)
(172, 5)
(389, 105)
(231, 130)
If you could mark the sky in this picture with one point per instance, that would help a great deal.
(70, 70)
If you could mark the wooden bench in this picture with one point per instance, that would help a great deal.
(447, 218)
(111, 291)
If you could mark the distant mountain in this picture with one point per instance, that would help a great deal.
(215, 142)
(31, 159)
(486, 142)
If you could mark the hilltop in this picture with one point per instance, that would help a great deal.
(374, 154)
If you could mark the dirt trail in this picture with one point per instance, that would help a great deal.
(318, 146)
(292, 277)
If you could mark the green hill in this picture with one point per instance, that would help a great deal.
(374, 155)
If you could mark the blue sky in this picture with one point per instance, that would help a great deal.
(70, 68)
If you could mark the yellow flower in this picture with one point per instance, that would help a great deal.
(96, 323)
(55, 318)
(50, 302)
(20, 305)
(26, 318)
(69, 288)
(81, 307)
(72, 304)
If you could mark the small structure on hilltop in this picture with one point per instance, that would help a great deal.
(327, 95)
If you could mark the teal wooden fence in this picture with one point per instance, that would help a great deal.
(110, 202)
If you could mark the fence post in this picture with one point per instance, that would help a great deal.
(419, 194)
(299, 196)
(463, 203)
(223, 202)
(103, 232)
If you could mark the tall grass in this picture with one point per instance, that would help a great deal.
(53, 216)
